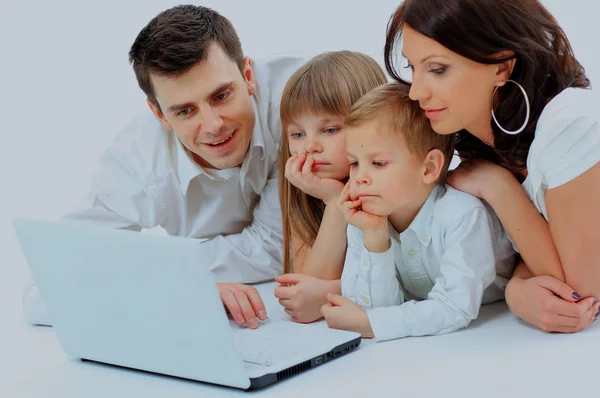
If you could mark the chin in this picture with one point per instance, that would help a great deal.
(444, 128)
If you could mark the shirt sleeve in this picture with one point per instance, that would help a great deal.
(467, 268)
(370, 279)
(570, 145)
(255, 254)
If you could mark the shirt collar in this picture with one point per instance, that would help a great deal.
(188, 169)
(421, 225)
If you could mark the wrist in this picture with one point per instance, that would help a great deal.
(377, 240)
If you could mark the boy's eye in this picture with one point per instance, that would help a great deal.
(378, 163)
(331, 130)
(353, 163)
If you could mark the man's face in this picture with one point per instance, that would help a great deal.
(210, 109)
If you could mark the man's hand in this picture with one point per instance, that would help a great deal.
(342, 313)
(302, 296)
(243, 303)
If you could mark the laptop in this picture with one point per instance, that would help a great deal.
(150, 303)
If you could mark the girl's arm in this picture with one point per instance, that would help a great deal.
(325, 259)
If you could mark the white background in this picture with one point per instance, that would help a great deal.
(66, 88)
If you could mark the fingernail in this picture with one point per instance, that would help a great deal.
(262, 314)
(253, 323)
(575, 295)
(595, 301)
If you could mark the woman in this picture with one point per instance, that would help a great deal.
(502, 76)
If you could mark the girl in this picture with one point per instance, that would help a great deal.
(312, 171)
(533, 155)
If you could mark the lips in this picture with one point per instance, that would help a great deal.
(432, 113)
(220, 141)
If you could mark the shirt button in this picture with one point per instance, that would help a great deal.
(411, 253)
(425, 238)
(365, 264)
(365, 300)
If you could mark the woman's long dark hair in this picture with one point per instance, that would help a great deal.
(477, 29)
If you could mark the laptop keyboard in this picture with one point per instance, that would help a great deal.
(271, 343)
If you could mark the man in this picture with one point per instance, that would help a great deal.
(202, 163)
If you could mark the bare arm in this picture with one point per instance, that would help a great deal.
(527, 228)
(325, 259)
(574, 220)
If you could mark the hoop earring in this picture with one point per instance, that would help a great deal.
(526, 105)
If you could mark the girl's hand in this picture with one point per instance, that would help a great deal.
(298, 171)
(302, 296)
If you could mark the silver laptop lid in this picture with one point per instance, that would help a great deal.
(129, 299)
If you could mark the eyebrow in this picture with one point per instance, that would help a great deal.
(426, 58)
(370, 154)
(178, 107)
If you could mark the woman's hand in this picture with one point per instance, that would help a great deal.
(480, 178)
(550, 304)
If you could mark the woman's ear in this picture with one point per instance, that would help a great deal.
(432, 166)
(504, 69)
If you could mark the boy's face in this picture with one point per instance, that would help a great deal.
(384, 174)
(210, 109)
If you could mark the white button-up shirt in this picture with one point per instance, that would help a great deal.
(453, 257)
(146, 179)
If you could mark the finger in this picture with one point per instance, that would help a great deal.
(283, 292)
(299, 163)
(286, 303)
(345, 194)
(335, 299)
(289, 279)
(558, 306)
(232, 305)
(326, 310)
(256, 302)
(289, 312)
(247, 311)
(288, 165)
(307, 167)
(560, 288)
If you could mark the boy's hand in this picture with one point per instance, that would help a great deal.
(302, 296)
(355, 216)
(342, 313)
(243, 303)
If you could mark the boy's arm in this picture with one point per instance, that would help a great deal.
(369, 279)
(468, 267)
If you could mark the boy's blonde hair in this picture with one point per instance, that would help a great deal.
(391, 105)
(329, 83)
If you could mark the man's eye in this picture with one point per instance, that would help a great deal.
(184, 112)
(222, 96)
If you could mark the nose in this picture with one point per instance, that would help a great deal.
(361, 176)
(418, 89)
(312, 145)
(212, 122)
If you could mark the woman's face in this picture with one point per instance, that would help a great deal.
(455, 92)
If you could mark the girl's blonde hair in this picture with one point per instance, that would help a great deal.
(329, 83)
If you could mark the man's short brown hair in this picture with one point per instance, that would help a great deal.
(391, 105)
(179, 38)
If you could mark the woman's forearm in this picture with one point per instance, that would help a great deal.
(527, 228)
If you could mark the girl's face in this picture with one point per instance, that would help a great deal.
(320, 136)
(455, 92)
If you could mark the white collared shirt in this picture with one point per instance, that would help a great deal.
(566, 143)
(146, 179)
(453, 257)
